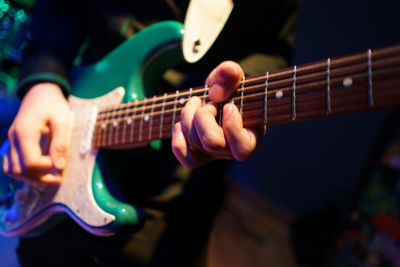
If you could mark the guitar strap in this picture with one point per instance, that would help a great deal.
(203, 22)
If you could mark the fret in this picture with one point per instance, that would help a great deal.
(111, 126)
(370, 92)
(107, 130)
(151, 117)
(97, 132)
(101, 134)
(162, 116)
(241, 96)
(266, 98)
(141, 118)
(104, 128)
(131, 121)
(314, 90)
(294, 94)
(95, 139)
(190, 93)
(174, 111)
(116, 127)
(205, 94)
(124, 124)
(328, 87)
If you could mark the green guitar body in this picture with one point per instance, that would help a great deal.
(137, 65)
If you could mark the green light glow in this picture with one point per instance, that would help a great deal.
(4, 7)
(20, 15)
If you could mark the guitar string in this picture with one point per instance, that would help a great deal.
(272, 92)
(289, 72)
(238, 98)
(257, 96)
(287, 106)
(118, 132)
(253, 120)
(314, 102)
(274, 85)
(317, 111)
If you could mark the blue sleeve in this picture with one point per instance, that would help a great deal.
(57, 30)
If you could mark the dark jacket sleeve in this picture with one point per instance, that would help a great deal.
(57, 30)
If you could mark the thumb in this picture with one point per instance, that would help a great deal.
(58, 144)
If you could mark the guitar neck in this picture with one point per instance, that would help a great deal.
(360, 82)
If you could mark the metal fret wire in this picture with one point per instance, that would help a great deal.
(266, 98)
(328, 87)
(261, 79)
(244, 88)
(370, 92)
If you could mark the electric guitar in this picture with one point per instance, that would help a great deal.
(125, 118)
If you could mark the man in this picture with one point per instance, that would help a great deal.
(175, 233)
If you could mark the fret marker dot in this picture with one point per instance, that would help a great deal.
(279, 94)
(347, 82)
(146, 118)
(115, 124)
(129, 121)
(103, 125)
(182, 101)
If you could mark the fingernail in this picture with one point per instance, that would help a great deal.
(60, 162)
(228, 108)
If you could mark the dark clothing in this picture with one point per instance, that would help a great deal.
(180, 211)
(59, 29)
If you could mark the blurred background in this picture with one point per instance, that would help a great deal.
(308, 171)
(14, 18)
(314, 170)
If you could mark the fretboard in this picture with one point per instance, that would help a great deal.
(360, 82)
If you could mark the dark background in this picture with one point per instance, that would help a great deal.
(313, 169)
(307, 165)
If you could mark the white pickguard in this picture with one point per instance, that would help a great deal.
(76, 190)
(36, 204)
